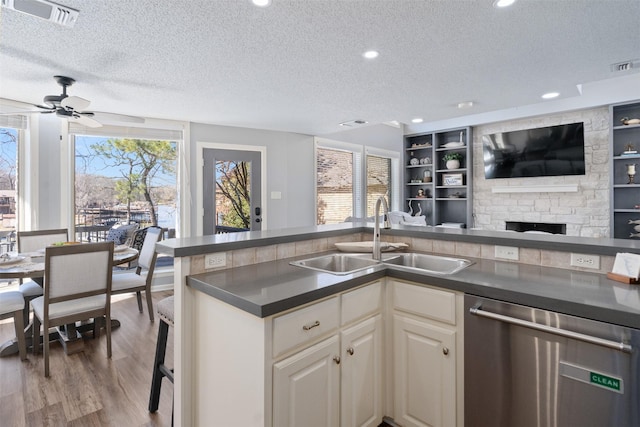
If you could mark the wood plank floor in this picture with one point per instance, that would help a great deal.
(86, 388)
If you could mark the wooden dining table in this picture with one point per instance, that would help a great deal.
(31, 266)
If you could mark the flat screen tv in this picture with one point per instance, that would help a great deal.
(548, 151)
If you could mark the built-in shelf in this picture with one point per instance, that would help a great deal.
(440, 207)
(624, 197)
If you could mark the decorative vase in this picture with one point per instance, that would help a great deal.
(453, 164)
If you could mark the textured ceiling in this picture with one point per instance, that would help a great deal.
(297, 65)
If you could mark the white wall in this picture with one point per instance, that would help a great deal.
(379, 136)
(289, 171)
(43, 181)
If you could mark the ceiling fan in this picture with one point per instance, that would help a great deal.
(71, 107)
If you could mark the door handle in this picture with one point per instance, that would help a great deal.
(478, 311)
(258, 211)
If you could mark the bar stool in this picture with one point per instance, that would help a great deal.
(11, 305)
(165, 313)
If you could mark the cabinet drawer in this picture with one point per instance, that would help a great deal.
(431, 303)
(296, 328)
(361, 302)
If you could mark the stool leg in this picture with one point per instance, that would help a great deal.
(156, 382)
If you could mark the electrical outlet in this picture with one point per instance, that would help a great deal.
(586, 261)
(507, 252)
(217, 260)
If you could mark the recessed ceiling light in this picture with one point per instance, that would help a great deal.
(261, 3)
(466, 104)
(550, 95)
(371, 54)
(417, 120)
(503, 3)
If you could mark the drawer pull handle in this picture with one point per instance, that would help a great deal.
(336, 359)
(311, 326)
(350, 351)
(445, 351)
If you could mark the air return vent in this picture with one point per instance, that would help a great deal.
(44, 9)
(352, 123)
(624, 66)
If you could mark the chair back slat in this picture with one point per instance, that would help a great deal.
(31, 241)
(148, 251)
(77, 271)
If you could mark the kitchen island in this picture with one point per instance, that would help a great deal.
(260, 286)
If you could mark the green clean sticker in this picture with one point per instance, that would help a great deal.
(605, 381)
(588, 376)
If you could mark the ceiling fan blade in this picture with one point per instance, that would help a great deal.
(45, 107)
(85, 121)
(121, 118)
(74, 103)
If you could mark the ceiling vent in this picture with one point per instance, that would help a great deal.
(624, 66)
(44, 9)
(353, 123)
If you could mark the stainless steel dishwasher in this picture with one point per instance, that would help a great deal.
(530, 367)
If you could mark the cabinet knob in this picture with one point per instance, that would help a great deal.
(336, 359)
(445, 350)
(350, 351)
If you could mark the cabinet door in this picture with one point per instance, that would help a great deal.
(306, 387)
(424, 373)
(361, 382)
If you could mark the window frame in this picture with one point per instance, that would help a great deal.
(157, 130)
(359, 153)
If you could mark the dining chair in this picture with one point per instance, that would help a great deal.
(140, 280)
(32, 241)
(11, 305)
(77, 287)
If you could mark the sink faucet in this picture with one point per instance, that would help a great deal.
(377, 252)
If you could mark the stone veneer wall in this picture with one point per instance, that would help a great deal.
(586, 212)
(545, 258)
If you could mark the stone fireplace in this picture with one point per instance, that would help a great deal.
(536, 227)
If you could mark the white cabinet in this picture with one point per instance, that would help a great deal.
(427, 355)
(337, 381)
(306, 387)
(361, 383)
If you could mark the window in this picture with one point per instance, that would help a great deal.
(9, 145)
(341, 181)
(378, 181)
(124, 180)
(334, 185)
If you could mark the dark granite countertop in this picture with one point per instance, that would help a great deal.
(190, 246)
(269, 288)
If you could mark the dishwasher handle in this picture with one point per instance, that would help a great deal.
(477, 310)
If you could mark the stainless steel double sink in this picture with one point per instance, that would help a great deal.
(343, 263)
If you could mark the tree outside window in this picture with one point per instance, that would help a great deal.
(125, 180)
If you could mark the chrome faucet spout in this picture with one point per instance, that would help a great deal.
(377, 252)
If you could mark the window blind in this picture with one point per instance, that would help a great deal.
(15, 121)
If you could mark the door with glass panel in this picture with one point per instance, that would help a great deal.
(232, 191)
